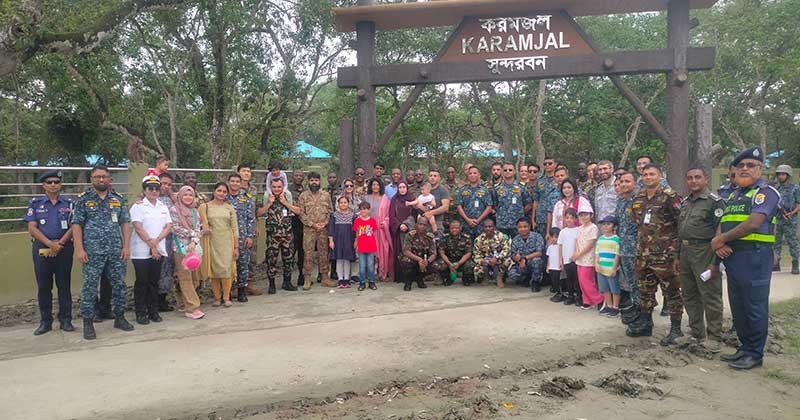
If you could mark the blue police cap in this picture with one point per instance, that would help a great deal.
(55, 173)
(756, 153)
(610, 219)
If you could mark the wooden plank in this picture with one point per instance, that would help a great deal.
(627, 62)
(391, 16)
(677, 119)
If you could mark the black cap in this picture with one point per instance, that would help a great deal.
(756, 153)
(610, 219)
(55, 173)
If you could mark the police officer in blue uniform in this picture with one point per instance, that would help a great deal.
(48, 219)
(101, 228)
(745, 245)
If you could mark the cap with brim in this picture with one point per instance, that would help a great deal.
(150, 180)
(610, 219)
(756, 153)
(55, 173)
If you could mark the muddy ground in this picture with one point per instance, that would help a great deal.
(638, 381)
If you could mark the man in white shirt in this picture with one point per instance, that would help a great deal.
(151, 223)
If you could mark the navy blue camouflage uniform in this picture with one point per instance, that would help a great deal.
(53, 220)
(245, 207)
(531, 274)
(101, 220)
(474, 200)
(510, 202)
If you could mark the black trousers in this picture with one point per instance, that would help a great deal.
(145, 288)
(571, 286)
(46, 270)
(297, 234)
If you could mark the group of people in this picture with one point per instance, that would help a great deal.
(606, 239)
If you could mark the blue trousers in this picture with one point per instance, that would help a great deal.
(366, 267)
(46, 269)
(749, 275)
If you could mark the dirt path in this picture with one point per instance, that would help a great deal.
(291, 355)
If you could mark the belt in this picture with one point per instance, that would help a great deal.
(696, 241)
(744, 246)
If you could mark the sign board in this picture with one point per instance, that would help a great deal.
(516, 43)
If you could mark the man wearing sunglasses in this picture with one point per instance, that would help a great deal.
(48, 218)
(745, 241)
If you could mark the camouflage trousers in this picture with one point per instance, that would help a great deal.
(411, 273)
(114, 269)
(541, 221)
(627, 279)
(501, 270)
(651, 274)
(532, 273)
(315, 246)
(473, 232)
(467, 270)
(279, 250)
(787, 229)
(242, 265)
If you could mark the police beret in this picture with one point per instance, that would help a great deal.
(55, 173)
(756, 153)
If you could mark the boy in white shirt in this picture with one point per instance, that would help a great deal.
(567, 239)
(553, 268)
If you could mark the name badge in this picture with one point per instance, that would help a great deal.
(647, 217)
(64, 224)
(514, 200)
(285, 212)
(477, 204)
(114, 218)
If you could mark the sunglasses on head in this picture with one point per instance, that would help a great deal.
(52, 181)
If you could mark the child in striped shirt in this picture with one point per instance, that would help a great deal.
(606, 263)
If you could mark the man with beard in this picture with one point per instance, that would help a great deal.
(543, 188)
(391, 187)
(442, 197)
(101, 228)
(245, 207)
(296, 188)
(497, 176)
(604, 199)
(315, 210)
(627, 231)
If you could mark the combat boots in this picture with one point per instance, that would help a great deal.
(306, 282)
(777, 266)
(163, 304)
(287, 282)
(674, 333)
(121, 323)
(407, 286)
(88, 329)
(242, 295)
(271, 287)
(795, 268)
(642, 327)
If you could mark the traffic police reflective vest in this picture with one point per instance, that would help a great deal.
(738, 208)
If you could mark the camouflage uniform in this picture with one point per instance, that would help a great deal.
(297, 228)
(422, 246)
(790, 198)
(167, 277)
(279, 239)
(102, 240)
(542, 191)
(627, 232)
(360, 190)
(455, 248)
(334, 191)
(532, 273)
(316, 209)
(657, 248)
(245, 207)
(498, 246)
(474, 200)
(252, 189)
(452, 212)
(510, 200)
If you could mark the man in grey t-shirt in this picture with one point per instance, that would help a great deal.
(442, 196)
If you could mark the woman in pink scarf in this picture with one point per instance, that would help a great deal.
(380, 205)
(187, 231)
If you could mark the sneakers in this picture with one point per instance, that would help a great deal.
(340, 285)
(361, 287)
(558, 297)
(585, 306)
(372, 286)
(601, 307)
(611, 312)
(197, 314)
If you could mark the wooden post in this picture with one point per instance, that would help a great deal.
(346, 156)
(678, 94)
(365, 58)
(702, 135)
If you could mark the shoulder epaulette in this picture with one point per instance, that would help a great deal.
(715, 197)
(669, 191)
(81, 194)
(248, 195)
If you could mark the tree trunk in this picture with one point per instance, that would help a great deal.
(703, 137)
(538, 114)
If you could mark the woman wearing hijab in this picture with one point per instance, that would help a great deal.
(400, 219)
(187, 230)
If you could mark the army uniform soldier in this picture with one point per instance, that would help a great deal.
(747, 234)
(511, 198)
(628, 232)
(418, 258)
(315, 210)
(455, 252)
(656, 211)
(48, 219)
(542, 190)
(101, 228)
(527, 249)
(245, 207)
(250, 187)
(491, 254)
(279, 214)
(475, 203)
(296, 188)
(452, 188)
(702, 297)
(787, 218)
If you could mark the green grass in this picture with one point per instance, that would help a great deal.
(783, 377)
(788, 314)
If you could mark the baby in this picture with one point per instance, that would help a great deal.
(425, 202)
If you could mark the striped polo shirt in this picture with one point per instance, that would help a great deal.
(605, 251)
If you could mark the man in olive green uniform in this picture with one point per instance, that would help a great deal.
(655, 212)
(455, 251)
(702, 296)
(315, 210)
(278, 212)
(418, 257)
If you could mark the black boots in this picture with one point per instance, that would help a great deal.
(88, 329)
(287, 283)
(121, 323)
(271, 287)
(642, 327)
(163, 305)
(795, 268)
(242, 295)
(777, 266)
(421, 283)
(628, 311)
(142, 319)
(674, 333)
(407, 286)
(43, 328)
